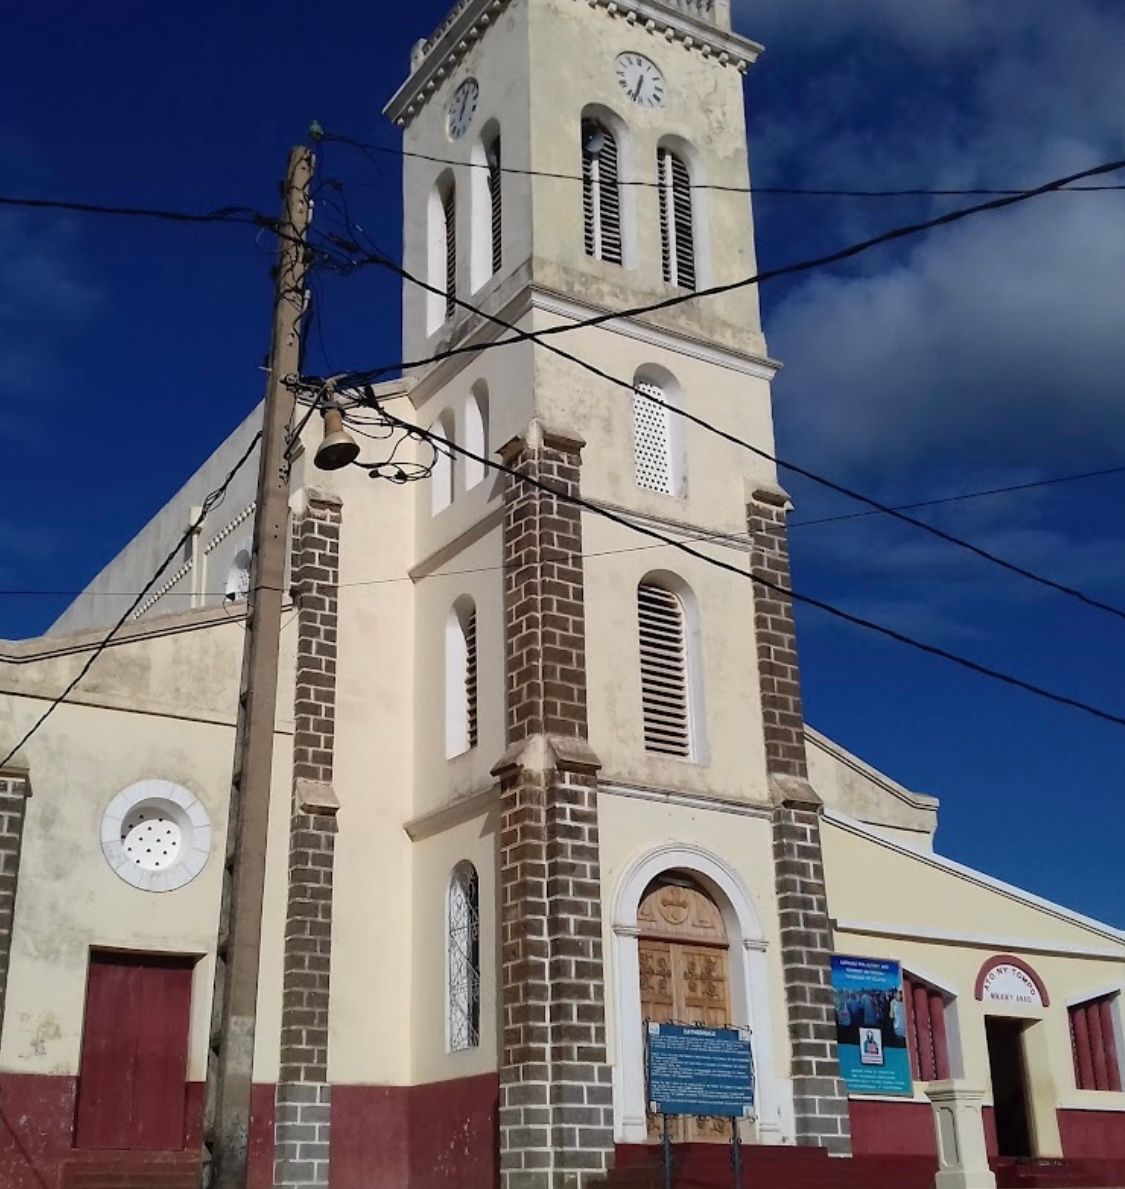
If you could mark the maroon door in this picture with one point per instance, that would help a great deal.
(132, 1080)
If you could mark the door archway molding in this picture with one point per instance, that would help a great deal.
(750, 986)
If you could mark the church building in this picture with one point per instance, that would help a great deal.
(540, 782)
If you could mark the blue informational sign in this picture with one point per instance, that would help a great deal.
(871, 1025)
(700, 1071)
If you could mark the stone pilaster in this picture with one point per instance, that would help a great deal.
(303, 1118)
(14, 792)
(820, 1097)
(556, 1112)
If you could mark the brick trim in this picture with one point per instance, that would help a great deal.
(14, 792)
(556, 1096)
(820, 1099)
(302, 1128)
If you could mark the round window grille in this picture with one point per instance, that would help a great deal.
(156, 835)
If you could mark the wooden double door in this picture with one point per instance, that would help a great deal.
(685, 977)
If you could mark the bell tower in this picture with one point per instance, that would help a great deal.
(568, 160)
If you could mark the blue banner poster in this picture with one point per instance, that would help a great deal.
(700, 1071)
(871, 1026)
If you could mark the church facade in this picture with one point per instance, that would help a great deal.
(538, 780)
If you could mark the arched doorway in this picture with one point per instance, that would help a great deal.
(684, 958)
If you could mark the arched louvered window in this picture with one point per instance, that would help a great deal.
(449, 222)
(665, 677)
(461, 678)
(652, 439)
(476, 434)
(677, 232)
(496, 201)
(463, 958)
(601, 193)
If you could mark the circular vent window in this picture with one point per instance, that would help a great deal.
(156, 835)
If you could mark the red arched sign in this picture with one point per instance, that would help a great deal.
(1008, 979)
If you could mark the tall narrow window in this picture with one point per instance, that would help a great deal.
(924, 1020)
(652, 439)
(476, 434)
(461, 678)
(496, 201)
(464, 958)
(1093, 1042)
(449, 218)
(665, 690)
(442, 479)
(601, 193)
(677, 233)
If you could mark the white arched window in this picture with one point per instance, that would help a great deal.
(441, 260)
(677, 227)
(670, 683)
(238, 577)
(659, 462)
(487, 207)
(601, 192)
(463, 958)
(461, 678)
(476, 433)
(442, 479)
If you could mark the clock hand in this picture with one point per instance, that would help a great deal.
(637, 88)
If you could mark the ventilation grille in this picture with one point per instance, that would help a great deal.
(601, 195)
(495, 194)
(652, 444)
(664, 690)
(677, 235)
(471, 679)
(449, 208)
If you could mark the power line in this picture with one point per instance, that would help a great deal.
(213, 500)
(229, 214)
(831, 484)
(968, 495)
(792, 191)
(808, 600)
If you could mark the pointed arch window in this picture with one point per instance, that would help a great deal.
(601, 193)
(666, 693)
(677, 230)
(461, 730)
(463, 958)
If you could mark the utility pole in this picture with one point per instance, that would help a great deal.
(230, 1066)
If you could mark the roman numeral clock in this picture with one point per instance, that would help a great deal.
(640, 79)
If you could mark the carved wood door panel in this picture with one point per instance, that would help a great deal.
(685, 977)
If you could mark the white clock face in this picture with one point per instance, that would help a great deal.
(463, 107)
(640, 79)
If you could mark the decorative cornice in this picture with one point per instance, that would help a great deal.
(705, 801)
(161, 591)
(434, 59)
(230, 526)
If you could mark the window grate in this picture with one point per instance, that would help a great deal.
(449, 210)
(496, 197)
(664, 686)
(464, 958)
(652, 440)
(470, 629)
(677, 232)
(601, 194)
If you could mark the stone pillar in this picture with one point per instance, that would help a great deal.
(303, 1118)
(820, 1098)
(556, 1109)
(14, 792)
(959, 1120)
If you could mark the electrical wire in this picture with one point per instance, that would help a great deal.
(229, 214)
(791, 191)
(807, 600)
(796, 468)
(212, 501)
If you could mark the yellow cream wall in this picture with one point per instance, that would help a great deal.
(474, 839)
(572, 51)
(965, 923)
(69, 899)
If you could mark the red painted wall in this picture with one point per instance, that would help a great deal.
(1092, 1135)
(37, 1115)
(892, 1128)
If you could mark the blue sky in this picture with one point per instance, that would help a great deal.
(983, 355)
